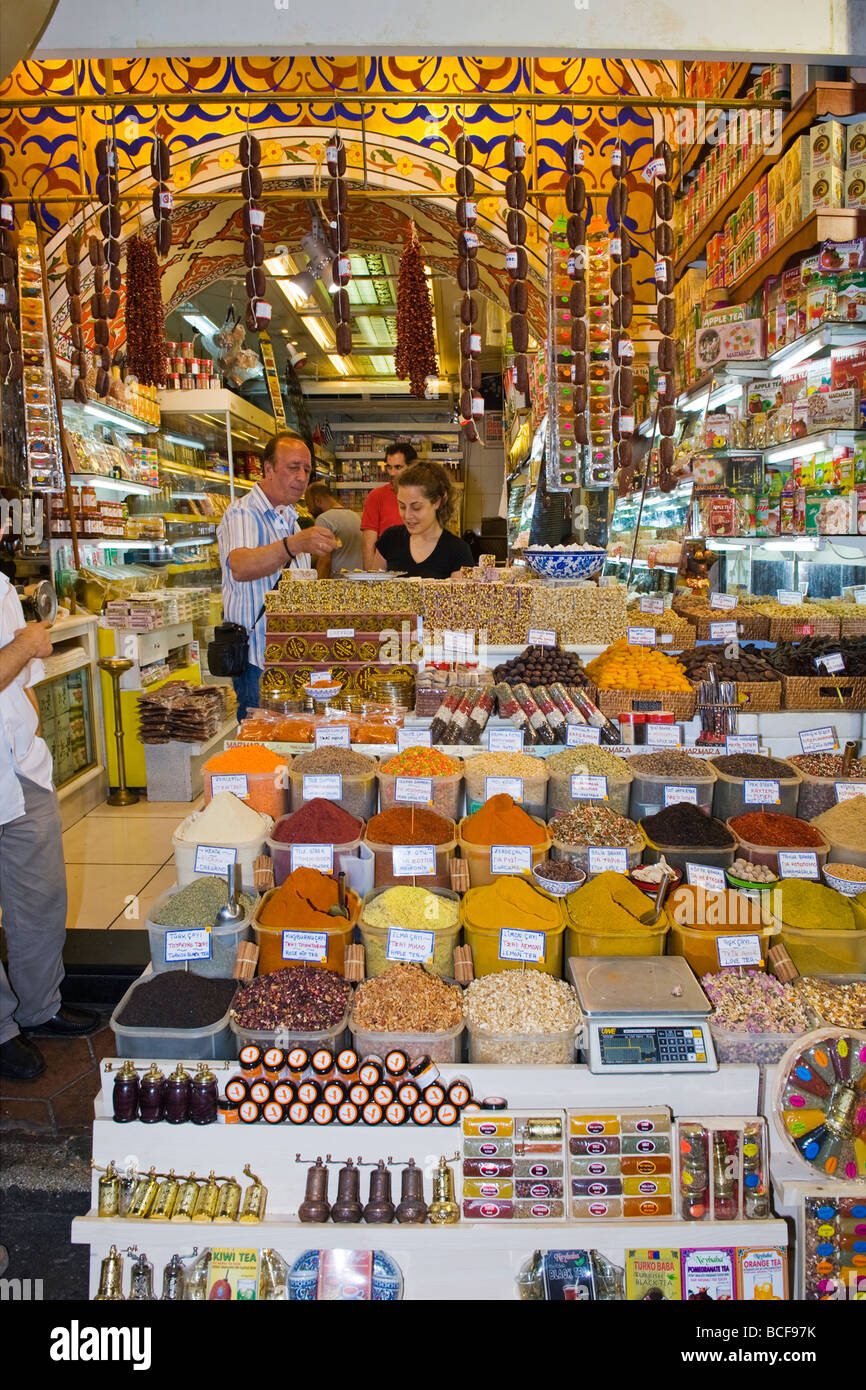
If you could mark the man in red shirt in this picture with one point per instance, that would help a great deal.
(381, 509)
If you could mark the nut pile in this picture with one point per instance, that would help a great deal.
(406, 999)
(751, 873)
(302, 999)
(798, 658)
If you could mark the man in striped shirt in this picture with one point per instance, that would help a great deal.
(258, 537)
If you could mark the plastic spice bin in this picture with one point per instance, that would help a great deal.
(644, 941)
(359, 798)
(521, 1049)
(333, 1038)
(729, 794)
(384, 876)
(825, 952)
(446, 1046)
(375, 938)
(648, 791)
(270, 940)
(678, 856)
(282, 855)
(478, 856)
(817, 794)
(447, 793)
(484, 942)
(765, 1049)
(769, 854)
(559, 796)
(247, 852)
(212, 1043)
(534, 790)
(267, 792)
(224, 943)
(580, 853)
(699, 944)
(844, 854)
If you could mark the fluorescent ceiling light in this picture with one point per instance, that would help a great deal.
(187, 496)
(793, 543)
(723, 545)
(201, 323)
(298, 290)
(802, 448)
(383, 365)
(118, 417)
(340, 363)
(319, 330)
(183, 439)
(193, 540)
(96, 480)
(364, 324)
(721, 396)
(798, 352)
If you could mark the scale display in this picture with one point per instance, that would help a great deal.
(643, 1013)
(630, 1047)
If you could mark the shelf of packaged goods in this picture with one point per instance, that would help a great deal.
(110, 414)
(190, 471)
(422, 458)
(178, 567)
(815, 343)
(824, 99)
(188, 519)
(123, 485)
(829, 224)
(731, 87)
(385, 432)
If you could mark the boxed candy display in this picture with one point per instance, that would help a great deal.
(513, 1166)
(620, 1163)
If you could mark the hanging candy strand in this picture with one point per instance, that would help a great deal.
(105, 260)
(415, 357)
(622, 398)
(78, 363)
(663, 164)
(575, 202)
(145, 323)
(10, 342)
(258, 311)
(471, 400)
(516, 259)
(160, 168)
(338, 240)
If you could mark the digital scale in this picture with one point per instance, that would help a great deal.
(643, 1013)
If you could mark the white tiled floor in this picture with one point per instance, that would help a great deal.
(118, 861)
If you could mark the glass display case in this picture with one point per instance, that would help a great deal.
(647, 532)
(66, 715)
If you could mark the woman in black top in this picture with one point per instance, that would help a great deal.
(421, 547)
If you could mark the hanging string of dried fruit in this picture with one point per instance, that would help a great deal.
(471, 399)
(11, 362)
(258, 314)
(415, 357)
(160, 168)
(145, 323)
(663, 166)
(105, 259)
(575, 202)
(622, 300)
(516, 259)
(338, 239)
(80, 392)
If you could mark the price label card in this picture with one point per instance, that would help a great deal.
(541, 637)
(409, 861)
(496, 786)
(333, 736)
(796, 863)
(190, 943)
(739, 950)
(641, 636)
(340, 632)
(457, 645)
(584, 788)
(515, 944)
(860, 594)
(652, 605)
(607, 858)
(409, 945)
(305, 945)
(213, 859)
(510, 859)
(741, 743)
(818, 740)
(704, 876)
(327, 785)
(321, 678)
(413, 738)
(719, 600)
(414, 789)
(790, 598)
(505, 740)
(760, 792)
(846, 790)
(230, 782)
(673, 795)
(833, 662)
(319, 857)
(723, 632)
(663, 735)
(578, 734)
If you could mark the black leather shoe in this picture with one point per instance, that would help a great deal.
(66, 1023)
(20, 1060)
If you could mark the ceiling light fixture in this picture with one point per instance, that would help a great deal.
(320, 330)
(340, 363)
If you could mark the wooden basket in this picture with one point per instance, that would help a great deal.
(755, 696)
(829, 692)
(795, 629)
(852, 627)
(677, 702)
(751, 627)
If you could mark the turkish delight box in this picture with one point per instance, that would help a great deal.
(708, 1275)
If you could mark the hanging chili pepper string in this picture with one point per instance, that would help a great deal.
(415, 357)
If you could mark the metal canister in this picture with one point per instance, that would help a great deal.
(125, 1094)
(204, 1097)
(443, 1210)
(108, 1192)
(166, 1198)
(111, 1278)
(207, 1200)
(229, 1202)
(186, 1199)
(128, 1183)
(173, 1280)
(141, 1280)
(255, 1198)
(151, 1096)
(177, 1096)
(144, 1196)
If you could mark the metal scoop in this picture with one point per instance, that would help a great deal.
(231, 912)
(340, 909)
(650, 918)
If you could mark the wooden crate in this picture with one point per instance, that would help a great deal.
(677, 702)
(830, 692)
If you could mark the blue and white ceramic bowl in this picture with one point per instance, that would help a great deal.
(565, 564)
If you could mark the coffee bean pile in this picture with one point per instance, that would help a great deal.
(542, 666)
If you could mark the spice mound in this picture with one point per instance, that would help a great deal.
(255, 758)
(343, 760)
(829, 765)
(849, 873)
(797, 902)
(301, 902)
(753, 1002)
(224, 821)
(500, 821)
(708, 909)
(301, 999)
(747, 872)
(318, 822)
(843, 1005)
(416, 909)
(844, 823)
(594, 825)
(406, 999)
(421, 762)
(404, 825)
(670, 763)
(511, 901)
(520, 1002)
(198, 903)
(507, 765)
(683, 824)
(752, 765)
(611, 904)
(595, 761)
(773, 828)
(176, 999)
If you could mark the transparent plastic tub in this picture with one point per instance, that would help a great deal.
(818, 794)
(384, 876)
(484, 943)
(844, 854)
(769, 854)
(478, 856)
(765, 1049)
(825, 952)
(580, 854)
(522, 1049)
(678, 856)
(360, 794)
(267, 792)
(224, 943)
(559, 796)
(447, 793)
(446, 1046)
(212, 1043)
(270, 940)
(648, 791)
(247, 852)
(646, 941)
(729, 794)
(333, 1038)
(534, 790)
(282, 855)
(375, 938)
(699, 944)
